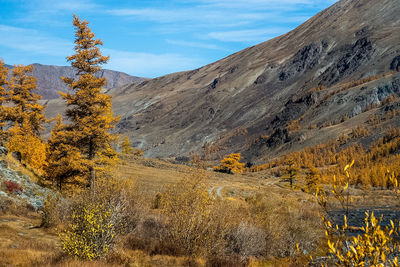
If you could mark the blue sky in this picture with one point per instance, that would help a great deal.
(147, 38)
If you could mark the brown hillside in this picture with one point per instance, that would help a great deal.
(259, 91)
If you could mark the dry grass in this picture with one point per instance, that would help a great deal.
(262, 205)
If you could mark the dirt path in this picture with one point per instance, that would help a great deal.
(217, 191)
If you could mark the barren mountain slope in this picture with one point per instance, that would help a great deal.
(245, 102)
(49, 82)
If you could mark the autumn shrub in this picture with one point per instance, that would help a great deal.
(98, 220)
(149, 235)
(231, 164)
(294, 125)
(137, 152)
(56, 211)
(93, 231)
(193, 226)
(284, 223)
(376, 246)
(12, 187)
(247, 241)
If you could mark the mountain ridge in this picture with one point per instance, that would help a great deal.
(49, 81)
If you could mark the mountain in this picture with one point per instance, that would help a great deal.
(308, 86)
(49, 82)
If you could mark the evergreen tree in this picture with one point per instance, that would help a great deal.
(291, 172)
(26, 108)
(64, 160)
(312, 178)
(88, 109)
(126, 146)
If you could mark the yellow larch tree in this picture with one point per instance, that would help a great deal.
(231, 164)
(64, 160)
(88, 108)
(25, 107)
(26, 116)
(3, 97)
(126, 146)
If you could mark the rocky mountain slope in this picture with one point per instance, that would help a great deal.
(49, 82)
(305, 87)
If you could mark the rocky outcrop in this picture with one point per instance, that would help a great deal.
(31, 193)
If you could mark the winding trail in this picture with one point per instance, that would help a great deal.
(218, 192)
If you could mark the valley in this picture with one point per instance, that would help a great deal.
(285, 153)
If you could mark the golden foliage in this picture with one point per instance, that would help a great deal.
(64, 160)
(32, 149)
(312, 179)
(231, 164)
(126, 146)
(25, 107)
(3, 95)
(376, 246)
(371, 163)
(137, 152)
(88, 108)
(98, 220)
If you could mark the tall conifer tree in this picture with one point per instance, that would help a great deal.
(26, 111)
(88, 108)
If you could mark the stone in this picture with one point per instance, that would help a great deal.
(3, 151)
(3, 164)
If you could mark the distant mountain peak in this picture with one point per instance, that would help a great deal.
(50, 83)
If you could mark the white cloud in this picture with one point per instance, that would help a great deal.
(148, 64)
(194, 44)
(33, 41)
(258, 35)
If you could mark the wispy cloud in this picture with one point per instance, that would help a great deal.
(247, 35)
(33, 41)
(149, 64)
(194, 44)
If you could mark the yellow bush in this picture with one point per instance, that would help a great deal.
(92, 232)
(32, 149)
(375, 247)
(98, 220)
(231, 164)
